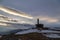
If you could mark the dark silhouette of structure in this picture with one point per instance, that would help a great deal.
(38, 25)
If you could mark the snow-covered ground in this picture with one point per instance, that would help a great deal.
(47, 33)
(52, 35)
(55, 28)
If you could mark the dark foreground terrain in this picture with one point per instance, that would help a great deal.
(29, 36)
(33, 36)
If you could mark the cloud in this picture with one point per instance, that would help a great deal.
(3, 24)
(14, 12)
(4, 19)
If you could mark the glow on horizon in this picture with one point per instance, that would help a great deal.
(7, 10)
(48, 19)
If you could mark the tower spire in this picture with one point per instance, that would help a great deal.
(38, 21)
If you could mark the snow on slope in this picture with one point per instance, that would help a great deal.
(48, 33)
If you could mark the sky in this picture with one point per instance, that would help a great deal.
(47, 10)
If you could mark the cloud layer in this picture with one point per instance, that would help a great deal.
(14, 12)
(47, 10)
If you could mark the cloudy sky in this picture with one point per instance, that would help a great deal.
(47, 10)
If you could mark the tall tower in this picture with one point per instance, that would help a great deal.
(38, 25)
(37, 21)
